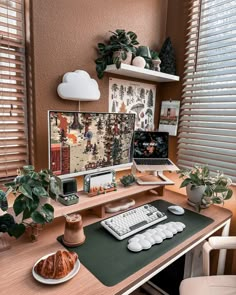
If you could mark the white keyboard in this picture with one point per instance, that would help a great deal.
(132, 221)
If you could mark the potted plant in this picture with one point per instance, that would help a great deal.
(30, 188)
(203, 188)
(121, 43)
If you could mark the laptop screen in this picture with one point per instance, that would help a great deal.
(148, 144)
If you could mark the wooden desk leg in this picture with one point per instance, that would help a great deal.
(222, 254)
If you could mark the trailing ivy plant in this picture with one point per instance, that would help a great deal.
(29, 187)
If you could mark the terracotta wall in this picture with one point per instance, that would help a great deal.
(64, 37)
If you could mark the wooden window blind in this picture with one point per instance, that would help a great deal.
(207, 129)
(13, 136)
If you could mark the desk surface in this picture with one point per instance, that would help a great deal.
(16, 263)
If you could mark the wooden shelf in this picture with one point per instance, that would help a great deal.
(86, 202)
(140, 73)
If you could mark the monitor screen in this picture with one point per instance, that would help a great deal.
(85, 142)
(150, 144)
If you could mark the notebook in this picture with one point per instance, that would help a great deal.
(150, 151)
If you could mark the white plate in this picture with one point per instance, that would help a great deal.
(56, 281)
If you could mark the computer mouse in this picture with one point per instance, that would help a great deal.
(177, 210)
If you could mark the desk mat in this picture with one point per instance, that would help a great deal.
(109, 259)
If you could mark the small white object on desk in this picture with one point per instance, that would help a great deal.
(120, 205)
(154, 236)
(177, 210)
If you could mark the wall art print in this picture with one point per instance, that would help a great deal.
(133, 97)
(169, 116)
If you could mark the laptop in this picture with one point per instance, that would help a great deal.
(150, 151)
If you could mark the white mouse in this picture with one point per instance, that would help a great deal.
(177, 210)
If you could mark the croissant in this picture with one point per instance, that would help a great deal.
(56, 266)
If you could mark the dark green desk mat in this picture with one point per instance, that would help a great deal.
(110, 260)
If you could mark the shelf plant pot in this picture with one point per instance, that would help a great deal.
(119, 54)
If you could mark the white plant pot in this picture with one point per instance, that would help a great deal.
(195, 194)
(125, 61)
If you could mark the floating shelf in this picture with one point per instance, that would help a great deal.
(140, 73)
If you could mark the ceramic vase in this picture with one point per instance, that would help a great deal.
(124, 61)
(195, 194)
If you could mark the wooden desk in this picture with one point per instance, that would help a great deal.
(16, 263)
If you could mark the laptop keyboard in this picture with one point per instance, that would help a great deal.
(153, 162)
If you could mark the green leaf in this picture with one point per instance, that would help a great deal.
(38, 217)
(101, 45)
(185, 182)
(48, 210)
(25, 189)
(19, 205)
(118, 64)
(35, 176)
(195, 179)
(229, 194)
(28, 168)
(3, 201)
(32, 204)
(39, 191)
(26, 214)
(17, 230)
(99, 60)
(123, 55)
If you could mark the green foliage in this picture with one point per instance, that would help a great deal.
(217, 187)
(8, 224)
(127, 180)
(3, 201)
(29, 187)
(119, 41)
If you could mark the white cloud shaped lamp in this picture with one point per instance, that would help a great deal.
(79, 86)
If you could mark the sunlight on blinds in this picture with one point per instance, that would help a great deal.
(207, 129)
(13, 141)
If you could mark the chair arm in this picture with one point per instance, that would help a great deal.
(222, 242)
(215, 243)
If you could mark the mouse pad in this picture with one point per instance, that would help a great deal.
(110, 260)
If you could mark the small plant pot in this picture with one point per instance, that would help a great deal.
(195, 195)
(144, 51)
(119, 55)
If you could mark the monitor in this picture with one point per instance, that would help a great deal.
(87, 142)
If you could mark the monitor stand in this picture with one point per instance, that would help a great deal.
(151, 177)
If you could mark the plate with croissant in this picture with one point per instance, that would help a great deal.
(56, 268)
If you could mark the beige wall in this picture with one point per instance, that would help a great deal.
(64, 37)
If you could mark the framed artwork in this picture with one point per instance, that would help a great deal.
(169, 116)
(133, 97)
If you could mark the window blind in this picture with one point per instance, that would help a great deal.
(207, 129)
(13, 136)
